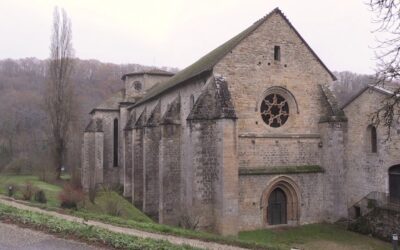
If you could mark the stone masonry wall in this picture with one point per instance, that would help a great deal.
(92, 165)
(151, 171)
(252, 187)
(128, 160)
(110, 171)
(367, 171)
(170, 175)
(138, 180)
(333, 147)
(263, 151)
(205, 167)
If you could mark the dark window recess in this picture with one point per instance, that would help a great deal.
(357, 212)
(115, 144)
(137, 85)
(394, 184)
(374, 145)
(277, 53)
(191, 102)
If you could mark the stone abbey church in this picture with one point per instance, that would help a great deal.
(247, 137)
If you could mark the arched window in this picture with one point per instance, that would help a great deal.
(115, 143)
(372, 139)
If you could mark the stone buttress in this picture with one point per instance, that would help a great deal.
(169, 165)
(92, 163)
(215, 168)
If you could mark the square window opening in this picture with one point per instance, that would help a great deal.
(277, 53)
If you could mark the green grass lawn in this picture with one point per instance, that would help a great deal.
(108, 202)
(315, 236)
(109, 207)
(50, 190)
(92, 234)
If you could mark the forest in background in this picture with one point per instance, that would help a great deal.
(23, 126)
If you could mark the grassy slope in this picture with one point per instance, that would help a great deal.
(271, 239)
(128, 211)
(315, 236)
(50, 190)
(81, 231)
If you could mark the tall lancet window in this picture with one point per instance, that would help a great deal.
(374, 142)
(115, 143)
(191, 102)
(372, 139)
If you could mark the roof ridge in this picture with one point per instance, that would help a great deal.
(208, 61)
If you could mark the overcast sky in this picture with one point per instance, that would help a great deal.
(177, 32)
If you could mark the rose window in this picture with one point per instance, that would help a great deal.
(137, 85)
(274, 110)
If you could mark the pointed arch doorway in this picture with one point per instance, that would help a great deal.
(277, 207)
(280, 202)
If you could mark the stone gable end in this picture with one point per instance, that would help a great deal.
(250, 69)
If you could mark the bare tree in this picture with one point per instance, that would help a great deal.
(59, 97)
(387, 16)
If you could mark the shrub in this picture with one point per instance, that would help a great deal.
(71, 196)
(113, 208)
(92, 193)
(27, 191)
(11, 189)
(40, 196)
(109, 204)
(188, 220)
(361, 225)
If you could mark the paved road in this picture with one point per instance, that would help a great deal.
(15, 238)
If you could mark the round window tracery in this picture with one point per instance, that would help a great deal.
(137, 85)
(274, 110)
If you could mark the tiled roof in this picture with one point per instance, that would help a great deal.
(207, 62)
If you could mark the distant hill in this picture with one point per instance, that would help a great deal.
(348, 84)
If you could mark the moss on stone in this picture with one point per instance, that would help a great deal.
(304, 169)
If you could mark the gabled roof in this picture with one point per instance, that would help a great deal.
(370, 87)
(207, 62)
(111, 103)
(149, 72)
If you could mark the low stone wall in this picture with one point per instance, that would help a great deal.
(380, 222)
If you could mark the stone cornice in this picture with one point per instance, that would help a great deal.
(306, 169)
(280, 136)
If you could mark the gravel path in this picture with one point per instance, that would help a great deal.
(173, 239)
(13, 237)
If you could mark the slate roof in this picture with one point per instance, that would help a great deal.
(111, 103)
(207, 62)
(95, 125)
(370, 87)
(214, 102)
(335, 113)
(149, 72)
